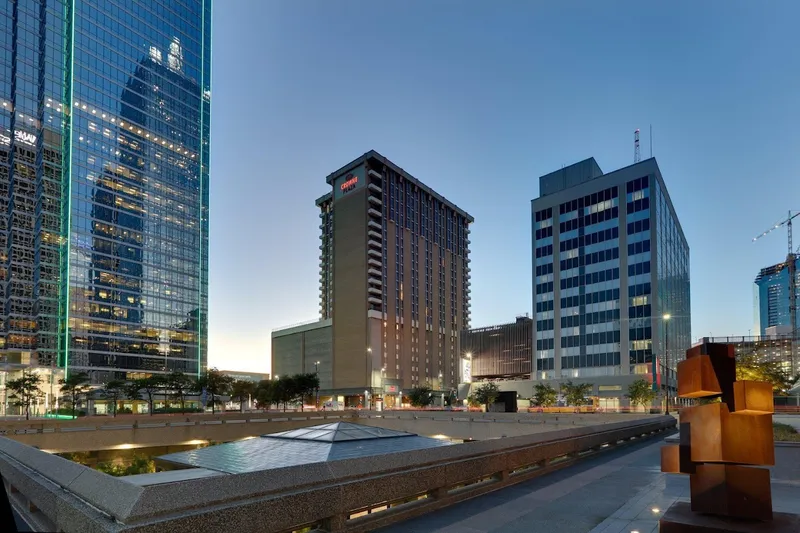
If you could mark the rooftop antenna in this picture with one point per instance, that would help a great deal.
(651, 141)
(637, 156)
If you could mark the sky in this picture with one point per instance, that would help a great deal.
(478, 99)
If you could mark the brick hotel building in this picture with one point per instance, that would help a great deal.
(394, 286)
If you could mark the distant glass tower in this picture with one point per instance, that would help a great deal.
(771, 297)
(104, 158)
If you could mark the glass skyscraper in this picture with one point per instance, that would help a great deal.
(771, 297)
(611, 278)
(104, 159)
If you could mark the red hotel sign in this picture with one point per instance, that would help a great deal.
(349, 183)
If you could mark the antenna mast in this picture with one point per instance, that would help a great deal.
(637, 156)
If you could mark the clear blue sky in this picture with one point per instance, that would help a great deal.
(477, 99)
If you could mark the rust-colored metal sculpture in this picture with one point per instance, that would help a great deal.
(721, 444)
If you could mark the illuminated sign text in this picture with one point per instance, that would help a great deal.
(349, 183)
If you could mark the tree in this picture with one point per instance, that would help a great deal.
(575, 394)
(215, 384)
(486, 394)
(75, 387)
(750, 368)
(265, 394)
(641, 392)
(421, 396)
(241, 390)
(150, 385)
(25, 390)
(112, 391)
(305, 385)
(132, 390)
(180, 384)
(285, 390)
(544, 395)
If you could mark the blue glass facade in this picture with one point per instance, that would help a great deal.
(771, 297)
(104, 140)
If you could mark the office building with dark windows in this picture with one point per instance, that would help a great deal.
(503, 351)
(104, 158)
(771, 297)
(394, 284)
(610, 280)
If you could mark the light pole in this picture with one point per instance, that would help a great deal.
(369, 378)
(666, 317)
(316, 373)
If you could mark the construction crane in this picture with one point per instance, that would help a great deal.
(791, 258)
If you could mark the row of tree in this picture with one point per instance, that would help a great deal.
(286, 390)
(175, 387)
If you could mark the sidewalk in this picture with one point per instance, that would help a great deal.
(616, 492)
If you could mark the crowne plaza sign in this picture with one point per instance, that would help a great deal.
(349, 182)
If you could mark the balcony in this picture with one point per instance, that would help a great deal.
(374, 200)
(375, 225)
(374, 272)
(375, 290)
(375, 234)
(375, 263)
(375, 188)
(376, 281)
(375, 174)
(375, 253)
(374, 213)
(374, 301)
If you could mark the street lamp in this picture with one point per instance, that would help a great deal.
(666, 317)
(316, 373)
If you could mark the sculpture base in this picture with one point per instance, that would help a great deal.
(679, 518)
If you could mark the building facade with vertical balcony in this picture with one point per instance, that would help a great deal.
(610, 262)
(104, 157)
(394, 280)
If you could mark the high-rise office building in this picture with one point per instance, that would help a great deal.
(771, 297)
(611, 278)
(104, 158)
(394, 282)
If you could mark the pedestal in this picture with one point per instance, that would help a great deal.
(679, 518)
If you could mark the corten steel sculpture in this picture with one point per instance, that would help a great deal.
(721, 445)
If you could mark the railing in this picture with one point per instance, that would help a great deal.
(353, 495)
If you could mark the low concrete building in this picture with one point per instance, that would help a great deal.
(246, 376)
(304, 348)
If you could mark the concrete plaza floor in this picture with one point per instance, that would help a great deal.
(619, 491)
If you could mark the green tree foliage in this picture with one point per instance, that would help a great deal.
(112, 391)
(750, 368)
(305, 386)
(641, 392)
(266, 394)
(241, 390)
(544, 395)
(25, 390)
(138, 465)
(74, 388)
(180, 385)
(486, 394)
(575, 394)
(215, 383)
(472, 402)
(420, 396)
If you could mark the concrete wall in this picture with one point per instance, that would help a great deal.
(66, 496)
(104, 433)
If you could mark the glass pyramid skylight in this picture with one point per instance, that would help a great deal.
(339, 432)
